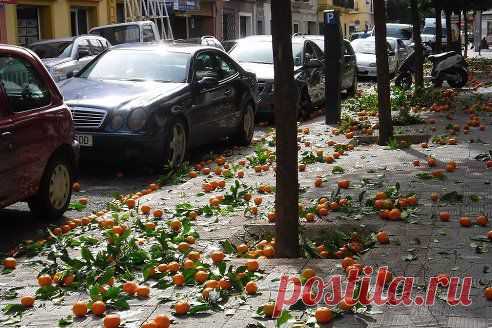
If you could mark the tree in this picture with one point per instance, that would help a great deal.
(385, 122)
(285, 105)
(438, 45)
(449, 30)
(419, 75)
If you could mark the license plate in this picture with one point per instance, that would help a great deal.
(84, 140)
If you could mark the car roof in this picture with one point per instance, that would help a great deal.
(262, 38)
(70, 39)
(123, 24)
(188, 48)
(399, 25)
(15, 49)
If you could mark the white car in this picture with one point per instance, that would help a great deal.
(365, 52)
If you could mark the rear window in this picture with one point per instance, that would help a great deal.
(399, 32)
(119, 34)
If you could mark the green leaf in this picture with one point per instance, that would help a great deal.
(87, 255)
(337, 170)
(63, 322)
(203, 307)
(228, 247)
(284, 317)
(48, 292)
(14, 309)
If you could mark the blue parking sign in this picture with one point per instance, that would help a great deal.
(330, 18)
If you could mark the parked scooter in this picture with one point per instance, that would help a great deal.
(448, 66)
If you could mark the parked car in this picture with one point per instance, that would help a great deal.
(229, 44)
(152, 102)
(359, 35)
(63, 57)
(349, 69)
(255, 54)
(365, 51)
(206, 40)
(39, 154)
(132, 32)
(428, 34)
(403, 32)
(401, 50)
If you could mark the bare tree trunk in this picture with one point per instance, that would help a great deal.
(465, 18)
(419, 74)
(285, 104)
(459, 32)
(449, 31)
(438, 46)
(385, 122)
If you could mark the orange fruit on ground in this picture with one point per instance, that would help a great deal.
(444, 216)
(268, 309)
(162, 267)
(242, 248)
(162, 321)
(323, 315)
(211, 284)
(308, 273)
(194, 255)
(201, 276)
(130, 203)
(268, 251)
(258, 201)
(76, 187)
(434, 197)
(488, 293)
(149, 324)
(190, 239)
(465, 221)
(183, 247)
(489, 235)
(173, 266)
(225, 283)
(130, 287)
(45, 280)
(348, 261)
(111, 321)
(143, 291)
(98, 308)
(382, 237)
(27, 301)
(251, 288)
(343, 184)
(206, 292)
(83, 200)
(68, 280)
(178, 279)
(252, 265)
(482, 220)
(318, 182)
(10, 263)
(217, 256)
(157, 214)
(175, 225)
(79, 309)
(118, 229)
(394, 214)
(181, 307)
(192, 215)
(188, 264)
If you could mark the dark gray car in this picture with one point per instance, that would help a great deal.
(63, 57)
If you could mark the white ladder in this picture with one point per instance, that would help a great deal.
(154, 10)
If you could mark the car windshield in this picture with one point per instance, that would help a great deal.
(364, 46)
(139, 65)
(399, 32)
(432, 30)
(261, 52)
(119, 34)
(61, 49)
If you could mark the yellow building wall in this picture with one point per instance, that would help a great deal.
(55, 16)
(349, 17)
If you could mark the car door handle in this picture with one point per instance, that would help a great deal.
(228, 92)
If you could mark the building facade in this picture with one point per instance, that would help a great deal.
(355, 15)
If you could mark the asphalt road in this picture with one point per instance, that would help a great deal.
(99, 182)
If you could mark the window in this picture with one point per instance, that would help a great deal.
(206, 66)
(489, 28)
(28, 19)
(296, 28)
(148, 33)
(97, 46)
(259, 27)
(79, 21)
(22, 85)
(226, 69)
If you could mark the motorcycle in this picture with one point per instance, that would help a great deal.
(448, 66)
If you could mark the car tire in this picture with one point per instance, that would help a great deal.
(55, 189)
(353, 88)
(247, 127)
(306, 106)
(175, 144)
(462, 81)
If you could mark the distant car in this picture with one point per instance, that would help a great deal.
(403, 32)
(131, 32)
(365, 51)
(255, 54)
(152, 102)
(204, 41)
(63, 57)
(38, 153)
(359, 35)
(349, 77)
(400, 48)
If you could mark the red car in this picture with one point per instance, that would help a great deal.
(38, 154)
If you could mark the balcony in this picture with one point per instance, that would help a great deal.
(343, 5)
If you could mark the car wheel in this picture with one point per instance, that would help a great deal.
(175, 144)
(55, 190)
(247, 126)
(353, 88)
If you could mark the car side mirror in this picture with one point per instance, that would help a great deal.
(313, 63)
(83, 53)
(72, 74)
(208, 82)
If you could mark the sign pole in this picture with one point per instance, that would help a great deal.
(333, 65)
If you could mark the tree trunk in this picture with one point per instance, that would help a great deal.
(385, 123)
(449, 31)
(285, 105)
(419, 74)
(465, 18)
(459, 32)
(438, 45)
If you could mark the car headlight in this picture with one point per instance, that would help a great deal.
(137, 119)
(117, 122)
